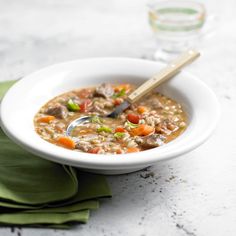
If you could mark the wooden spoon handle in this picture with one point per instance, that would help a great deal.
(168, 72)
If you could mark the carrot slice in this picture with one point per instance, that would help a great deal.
(45, 119)
(94, 150)
(118, 151)
(136, 131)
(147, 129)
(119, 87)
(132, 149)
(142, 130)
(142, 109)
(120, 130)
(66, 142)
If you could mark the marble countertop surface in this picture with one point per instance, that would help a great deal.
(194, 195)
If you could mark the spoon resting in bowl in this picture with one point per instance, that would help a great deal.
(166, 73)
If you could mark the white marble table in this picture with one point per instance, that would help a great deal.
(193, 195)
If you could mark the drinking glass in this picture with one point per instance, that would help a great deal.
(177, 26)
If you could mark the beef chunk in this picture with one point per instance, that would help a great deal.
(83, 146)
(104, 90)
(153, 140)
(58, 110)
(166, 127)
(154, 102)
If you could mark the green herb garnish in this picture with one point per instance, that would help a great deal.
(72, 106)
(104, 129)
(119, 135)
(120, 94)
(131, 125)
(96, 119)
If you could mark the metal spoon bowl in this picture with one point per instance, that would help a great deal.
(75, 123)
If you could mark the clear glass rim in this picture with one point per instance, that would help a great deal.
(178, 3)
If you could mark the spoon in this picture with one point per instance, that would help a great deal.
(168, 72)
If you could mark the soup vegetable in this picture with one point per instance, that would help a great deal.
(149, 123)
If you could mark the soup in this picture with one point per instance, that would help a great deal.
(149, 123)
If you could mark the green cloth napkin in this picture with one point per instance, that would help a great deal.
(36, 192)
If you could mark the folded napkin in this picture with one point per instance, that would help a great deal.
(36, 192)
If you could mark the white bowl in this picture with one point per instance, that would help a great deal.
(24, 99)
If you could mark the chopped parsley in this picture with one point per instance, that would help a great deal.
(104, 129)
(96, 119)
(119, 135)
(121, 93)
(131, 125)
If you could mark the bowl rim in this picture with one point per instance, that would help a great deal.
(105, 161)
